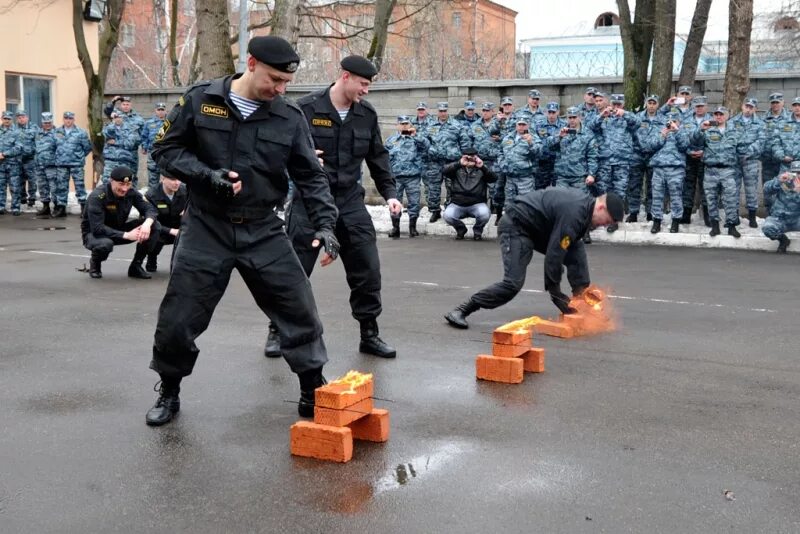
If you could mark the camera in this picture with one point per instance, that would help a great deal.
(406, 132)
(670, 123)
(680, 100)
(571, 131)
(713, 123)
(525, 131)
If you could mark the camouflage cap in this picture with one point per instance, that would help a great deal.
(422, 105)
(442, 106)
(69, 115)
(775, 97)
(487, 106)
(590, 91)
(751, 102)
(573, 112)
(795, 166)
(8, 115)
(617, 98)
(506, 100)
(796, 100)
(534, 93)
(601, 94)
(403, 118)
(160, 105)
(699, 101)
(469, 104)
(685, 89)
(47, 116)
(553, 106)
(21, 113)
(522, 120)
(652, 98)
(721, 109)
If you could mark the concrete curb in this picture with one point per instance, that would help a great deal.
(692, 235)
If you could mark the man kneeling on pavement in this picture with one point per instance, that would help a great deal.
(784, 216)
(467, 181)
(169, 198)
(105, 222)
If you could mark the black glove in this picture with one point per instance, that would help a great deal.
(221, 186)
(562, 302)
(329, 242)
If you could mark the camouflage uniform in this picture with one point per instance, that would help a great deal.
(486, 140)
(447, 139)
(545, 177)
(615, 135)
(641, 174)
(11, 148)
(668, 161)
(695, 169)
(72, 147)
(519, 158)
(406, 162)
(785, 215)
(422, 126)
(721, 151)
(771, 167)
(576, 158)
(122, 152)
(785, 144)
(27, 168)
(45, 161)
(753, 133)
(151, 127)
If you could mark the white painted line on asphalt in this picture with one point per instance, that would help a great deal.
(71, 255)
(622, 297)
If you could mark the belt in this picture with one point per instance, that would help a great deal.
(719, 166)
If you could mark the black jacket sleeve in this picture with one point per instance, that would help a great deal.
(564, 237)
(488, 176)
(174, 146)
(96, 215)
(311, 180)
(145, 209)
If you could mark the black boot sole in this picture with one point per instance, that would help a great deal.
(367, 350)
(454, 323)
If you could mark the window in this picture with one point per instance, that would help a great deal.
(29, 93)
(128, 35)
(606, 19)
(456, 20)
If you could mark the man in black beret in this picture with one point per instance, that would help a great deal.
(105, 222)
(552, 222)
(345, 130)
(233, 141)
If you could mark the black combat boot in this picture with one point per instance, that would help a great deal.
(499, 214)
(632, 217)
(706, 218)
(412, 227)
(656, 226)
(461, 232)
(273, 347)
(458, 317)
(94, 267)
(83, 207)
(136, 270)
(435, 215)
(59, 211)
(395, 231)
(477, 236)
(783, 244)
(587, 239)
(371, 343)
(611, 228)
(151, 265)
(168, 403)
(44, 212)
(733, 231)
(714, 228)
(309, 381)
(751, 216)
(675, 226)
(687, 215)
(649, 216)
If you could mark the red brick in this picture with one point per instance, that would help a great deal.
(343, 417)
(320, 441)
(533, 361)
(338, 396)
(515, 336)
(510, 351)
(550, 328)
(576, 321)
(373, 427)
(494, 369)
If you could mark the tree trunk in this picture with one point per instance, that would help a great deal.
(213, 39)
(173, 43)
(383, 14)
(95, 81)
(286, 20)
(637, 44)
(663, 49)
(737, 73)
(694, 43)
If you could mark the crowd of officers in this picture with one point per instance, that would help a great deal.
(680, 154)
(39, 160)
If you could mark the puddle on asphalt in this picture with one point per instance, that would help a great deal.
(60, 403)
(419, 467)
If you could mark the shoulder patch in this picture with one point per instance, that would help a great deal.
(214, 111)
(327, 123)
(181, 101)
(163, 130)
(565, 242)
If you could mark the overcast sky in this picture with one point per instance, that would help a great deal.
(536, 20)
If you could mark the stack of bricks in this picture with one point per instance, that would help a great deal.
(512, 356)
(342, 413)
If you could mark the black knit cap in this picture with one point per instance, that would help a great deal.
(275, 52)
(469, 151)
(122, 174)
(616, 208)
(360, 66)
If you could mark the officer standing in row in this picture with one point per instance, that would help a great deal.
(521, 151)
(695, 170)
(345, 128)
(105, 223)
(448, 139)
(576, 155)
(10, 149)
(26, 187)
(233, 141)
(121, 146)
(169, 197)
(486, 137)
(753, 132)
(407, 149)
(550, 127)
(770, 167)
(45, 161)
(149, 131)
(552, 222)
(72, 147)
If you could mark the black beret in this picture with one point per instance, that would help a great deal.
(275, 52)
(360, 66)
(122, 174)
(616, 208)
(469, 151)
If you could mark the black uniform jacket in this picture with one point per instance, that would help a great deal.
(347, 144)
(466, 186)
(105, 215)
(169, 210)
(205, 132)
(556, 219)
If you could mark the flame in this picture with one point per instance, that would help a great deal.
(353, 379)
(521, 326)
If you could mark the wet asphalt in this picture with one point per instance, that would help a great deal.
(640, 430)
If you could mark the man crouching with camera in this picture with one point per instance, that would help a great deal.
(467, 181)
(785, 213)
